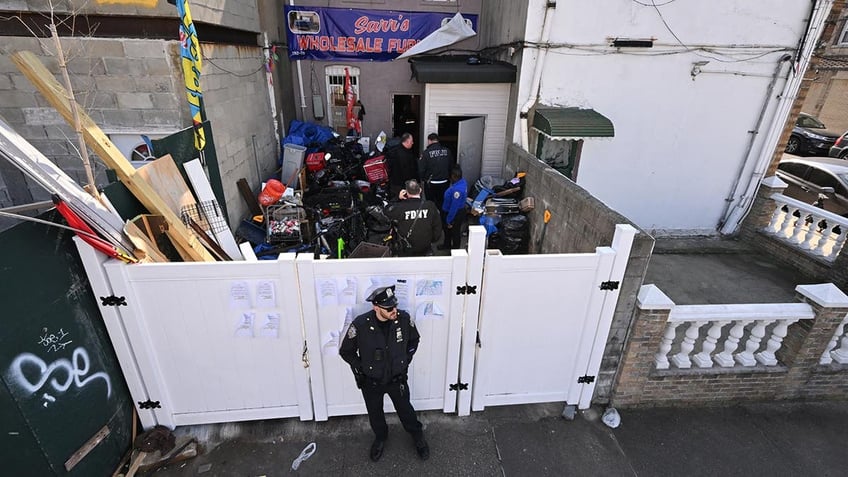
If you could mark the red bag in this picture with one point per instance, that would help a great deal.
(315, 162)
(375, 170)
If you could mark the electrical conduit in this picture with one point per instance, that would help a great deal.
(537, 75)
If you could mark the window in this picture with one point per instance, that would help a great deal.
(336, 96)
(843, 37)
(797, 170)
(809, 122)
(823, 179)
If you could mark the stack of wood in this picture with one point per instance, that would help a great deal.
(159, 186)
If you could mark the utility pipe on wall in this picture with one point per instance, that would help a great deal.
(537, 75)
(818, 16)
(300, 83)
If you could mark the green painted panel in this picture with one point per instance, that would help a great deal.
(57, 365)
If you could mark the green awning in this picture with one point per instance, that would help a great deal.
(572, 123)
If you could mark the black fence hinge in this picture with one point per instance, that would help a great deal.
(610, 285)
(459, 386)
(149, 404)
(585, 379)
(479, 344)
(113, 300)
(466, 290)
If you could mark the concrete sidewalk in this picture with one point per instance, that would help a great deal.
(753, 439)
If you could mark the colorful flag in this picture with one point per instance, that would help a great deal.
(190, 52)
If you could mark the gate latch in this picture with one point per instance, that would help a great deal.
(586, 379)
(459, 386)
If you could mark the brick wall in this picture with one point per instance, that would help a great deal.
(797, 376)
(579, 224)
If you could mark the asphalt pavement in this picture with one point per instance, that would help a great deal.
(773, 439)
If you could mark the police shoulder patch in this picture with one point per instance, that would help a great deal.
(456, 195)
(351, 332)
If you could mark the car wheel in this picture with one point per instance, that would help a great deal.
(794, 145)
(844, 154)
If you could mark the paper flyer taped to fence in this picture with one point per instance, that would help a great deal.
(429, 310)
(429, 288)
(327, 291)
(244, 325)
(265, 295)
(402, 292)
(331, 343)
(271, 326)
(239, 296)
(347, 294)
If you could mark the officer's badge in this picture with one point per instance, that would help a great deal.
(351, 332)
(399, 335)
(456, 195)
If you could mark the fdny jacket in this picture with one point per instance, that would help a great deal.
(381, 353)
(435, 163)
(455, 200)
(418, 221)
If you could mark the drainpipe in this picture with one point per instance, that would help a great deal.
(300, 83)
(734, 215)
(537, 75)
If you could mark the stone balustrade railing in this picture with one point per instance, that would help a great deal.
(708, 335)
(809, 228)
(837, 349)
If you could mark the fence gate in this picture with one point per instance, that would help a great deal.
(543, 324)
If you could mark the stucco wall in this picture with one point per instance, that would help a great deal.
(679, 143)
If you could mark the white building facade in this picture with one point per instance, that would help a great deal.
(697, 93)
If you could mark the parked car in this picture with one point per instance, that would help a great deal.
(840, 147)
(810, 137)
(812, 179)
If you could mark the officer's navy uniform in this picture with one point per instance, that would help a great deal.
(418, 222)
(453, 210)
(434, 168)
(379, 353)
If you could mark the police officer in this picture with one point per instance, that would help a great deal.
(453, 210)
(434, 168)
(379, 346)
(418, 221)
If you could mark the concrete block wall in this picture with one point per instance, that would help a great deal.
(579, 224)
(798, 375)
(237, 103)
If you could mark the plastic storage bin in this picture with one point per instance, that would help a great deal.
(292, 162)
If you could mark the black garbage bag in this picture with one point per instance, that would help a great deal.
(513, 224)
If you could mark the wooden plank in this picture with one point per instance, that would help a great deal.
(249, 197)
(143, 244)
(164, 177)
(190, 248)
(205, 195)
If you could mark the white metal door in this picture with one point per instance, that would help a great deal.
(470, 148)
(216, 342)
(333, 293)
(544, 320)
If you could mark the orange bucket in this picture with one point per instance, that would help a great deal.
(272, 192)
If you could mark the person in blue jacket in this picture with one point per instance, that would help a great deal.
(453, 210)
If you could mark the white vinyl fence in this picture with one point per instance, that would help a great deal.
(234, 341)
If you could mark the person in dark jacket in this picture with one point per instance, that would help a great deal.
(402, 163)
(379, 346)
(434, 169)
(453, 210)
(419, 224)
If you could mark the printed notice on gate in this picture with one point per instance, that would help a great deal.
(239, 296)
(265, 296)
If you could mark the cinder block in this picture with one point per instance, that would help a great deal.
(156, 67)
(144, 48)
(86, 66)
(17, 99)
(116, 118)
(166, 119)
(134, 101)
(102, 48)
(115, 84)
(158, 84)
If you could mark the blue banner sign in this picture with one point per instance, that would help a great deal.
(316, 33)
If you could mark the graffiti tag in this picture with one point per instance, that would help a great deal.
(31, 373)
(54, 341)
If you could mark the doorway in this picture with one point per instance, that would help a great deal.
(463, 135)
(406, 115)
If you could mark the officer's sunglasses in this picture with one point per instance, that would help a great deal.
(388, 308)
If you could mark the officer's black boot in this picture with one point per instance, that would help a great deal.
(421, 446)
(377, 449)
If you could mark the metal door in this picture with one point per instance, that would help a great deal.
(470, 148)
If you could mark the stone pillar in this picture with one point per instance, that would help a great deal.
(652, 310)
(830, 305)
(763, 207)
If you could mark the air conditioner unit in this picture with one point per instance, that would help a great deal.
(133, 146)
